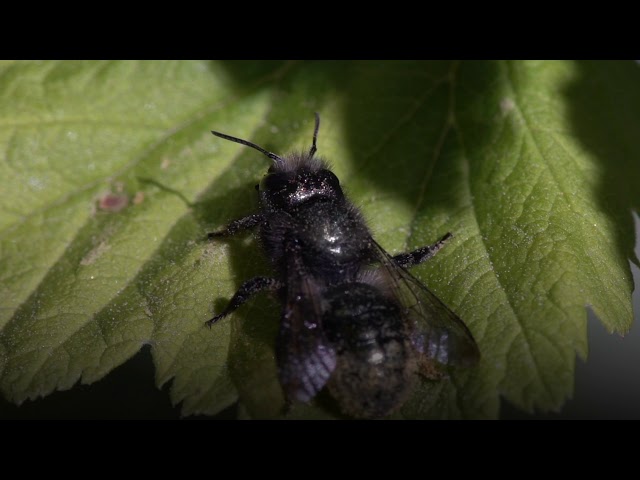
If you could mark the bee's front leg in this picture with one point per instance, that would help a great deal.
(245, 223)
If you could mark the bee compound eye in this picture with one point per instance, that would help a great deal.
(275, 182)
(331, 177)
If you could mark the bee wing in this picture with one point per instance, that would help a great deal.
(305, 357)
(441, 335)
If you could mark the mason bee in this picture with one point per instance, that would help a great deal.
(353, 318)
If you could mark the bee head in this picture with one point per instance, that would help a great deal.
(295, 179)
(299, 179)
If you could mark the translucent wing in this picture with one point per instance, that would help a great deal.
(305, 357)
(440, 334)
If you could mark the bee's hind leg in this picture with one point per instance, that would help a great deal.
(429, 368)
(407, 260)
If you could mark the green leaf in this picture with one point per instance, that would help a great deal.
(111, 180)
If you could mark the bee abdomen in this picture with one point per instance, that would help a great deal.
(376, 364)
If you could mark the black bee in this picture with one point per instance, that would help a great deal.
(353, 318)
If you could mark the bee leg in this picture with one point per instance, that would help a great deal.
(245, 223)
(420, 255)
(247, 290)
(428, 368)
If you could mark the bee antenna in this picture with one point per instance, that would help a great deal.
(272, 156)
(315, 135)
